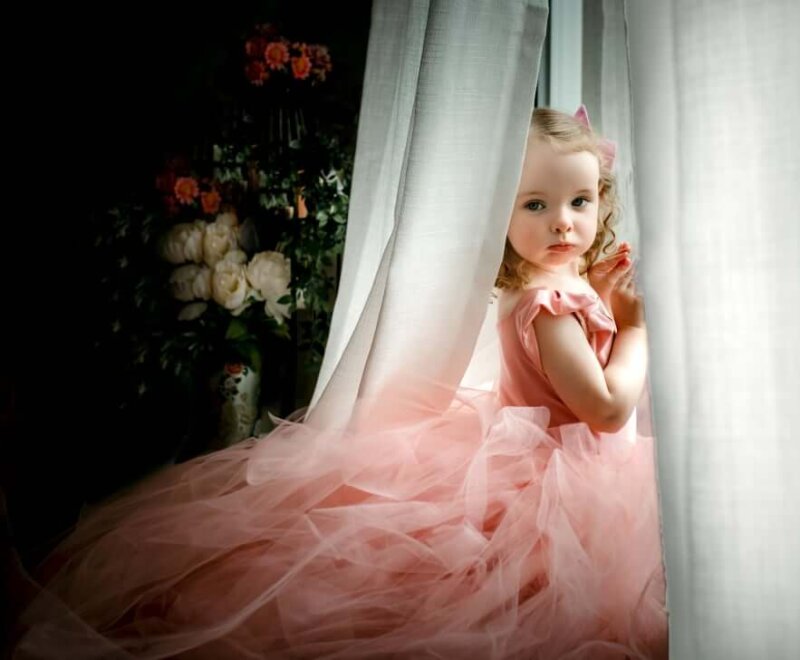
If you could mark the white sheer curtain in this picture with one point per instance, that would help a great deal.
(606, 93)
(714, 160)
(715, 93)
(447, 98)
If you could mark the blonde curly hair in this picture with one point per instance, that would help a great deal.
(568, 135)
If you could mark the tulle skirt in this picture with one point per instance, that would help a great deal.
(478, 533)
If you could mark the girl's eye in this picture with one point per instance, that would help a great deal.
(530, 206)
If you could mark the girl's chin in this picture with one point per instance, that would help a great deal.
(563, 255)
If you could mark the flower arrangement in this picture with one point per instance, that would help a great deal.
(252, 238)
(271, 56)
(230, 261)
(211, 267)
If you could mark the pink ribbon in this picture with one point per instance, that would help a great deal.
(607, 147)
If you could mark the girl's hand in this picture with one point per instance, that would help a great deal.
(626, 304)
(605, 273)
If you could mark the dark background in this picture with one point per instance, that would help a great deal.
(95, 99)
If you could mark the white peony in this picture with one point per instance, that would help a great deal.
(184, 242)
(229, 285)
(218, 240)
(227, 218)
(182, 282)
(201, 285)
(270, 273)
(235, 257)
(193, 247)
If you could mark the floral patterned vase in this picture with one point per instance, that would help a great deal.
(237, 390)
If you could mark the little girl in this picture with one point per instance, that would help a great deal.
(561, 219)
(518, 524)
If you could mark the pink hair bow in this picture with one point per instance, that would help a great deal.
(607, 147)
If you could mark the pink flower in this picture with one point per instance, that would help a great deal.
(321, 61)
(321, 57)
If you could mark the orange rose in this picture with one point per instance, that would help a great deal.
(186, 189)
(276, 54)
(210, 201)
(301, 67)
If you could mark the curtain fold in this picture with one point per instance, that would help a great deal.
(448, 93)
(714, 87)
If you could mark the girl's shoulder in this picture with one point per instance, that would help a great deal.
(509, 299)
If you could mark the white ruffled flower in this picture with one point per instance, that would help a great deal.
(235, 257)
(184, 242)
(218, 240)
(229, 285)
(227, 218)
(201, 285)
(182, 282)
(270, 273)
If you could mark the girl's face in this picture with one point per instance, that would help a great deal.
(557, 203)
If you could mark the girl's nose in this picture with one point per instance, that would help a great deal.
(562, 223)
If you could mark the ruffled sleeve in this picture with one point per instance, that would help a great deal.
(597, 323)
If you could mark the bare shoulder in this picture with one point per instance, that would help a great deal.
(506, 301)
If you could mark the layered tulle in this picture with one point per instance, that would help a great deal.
(479, 533)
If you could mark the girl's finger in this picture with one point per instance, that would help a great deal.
(611, 263)
(625, 279)
(624, 263)
(620, 270)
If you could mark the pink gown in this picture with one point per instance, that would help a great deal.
(503, 528)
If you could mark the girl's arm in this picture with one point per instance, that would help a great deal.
(603, 398)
